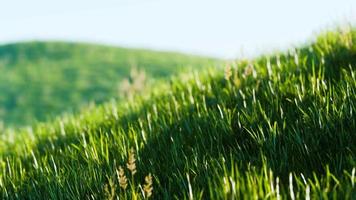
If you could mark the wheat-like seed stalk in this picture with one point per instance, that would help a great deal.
(228, 72)
(106, 190)
(248, 70)
(148, 186)
(109, 190)
(122, 178)
(131, 163)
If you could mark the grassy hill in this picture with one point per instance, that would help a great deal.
(43, 79)
(277, 127)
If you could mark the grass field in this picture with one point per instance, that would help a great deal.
(281, 126)
(39, 80)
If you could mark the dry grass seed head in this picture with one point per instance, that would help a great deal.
(109, 190)
(228, 72)
(131, 163)
(122, 178)
(248, 70)
(148, 186)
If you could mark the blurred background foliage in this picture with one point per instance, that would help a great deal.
(39, 80)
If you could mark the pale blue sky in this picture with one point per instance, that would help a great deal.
(223, 28)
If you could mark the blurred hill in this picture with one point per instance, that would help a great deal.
(43, 79)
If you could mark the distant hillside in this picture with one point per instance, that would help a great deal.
(41, 79)
(277, 127)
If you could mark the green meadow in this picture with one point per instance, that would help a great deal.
(279, 126)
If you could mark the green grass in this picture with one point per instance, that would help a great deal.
(39, 80)
(277, 127)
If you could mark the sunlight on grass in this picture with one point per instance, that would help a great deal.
(281, 126)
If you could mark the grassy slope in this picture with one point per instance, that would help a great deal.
(282, 125)
(41, 79)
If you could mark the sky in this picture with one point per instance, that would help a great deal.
(218, 28)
